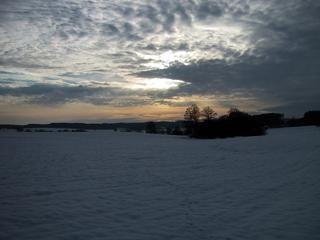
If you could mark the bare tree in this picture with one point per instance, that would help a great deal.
(192, 113)
(233, 110)
(208, 113)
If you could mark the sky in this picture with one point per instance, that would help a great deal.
(137, 60)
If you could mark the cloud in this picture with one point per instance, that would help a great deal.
(52, 94)
(285, 81)
(282, 66)
(268, 51)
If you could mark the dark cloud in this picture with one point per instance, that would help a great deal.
(9, 62)
(48, 94)
(209, 8)
(294, 78)
(269, 81)
(109, 29)
(52, 94)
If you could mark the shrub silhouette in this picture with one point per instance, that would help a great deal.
(270, 120)
(177, 131)
(312, 118)
(151, 127)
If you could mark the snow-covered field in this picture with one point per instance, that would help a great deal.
(111, 185)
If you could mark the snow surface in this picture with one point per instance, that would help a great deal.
(111, 185)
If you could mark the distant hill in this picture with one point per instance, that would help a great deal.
(139, 126)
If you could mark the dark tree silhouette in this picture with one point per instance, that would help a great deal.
(208, 113)
(192, 113)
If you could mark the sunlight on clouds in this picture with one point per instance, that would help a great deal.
(165, 59)
(230, 35)
(200, 42)
(154, 84)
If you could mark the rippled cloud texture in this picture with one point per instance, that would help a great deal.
(108, 60)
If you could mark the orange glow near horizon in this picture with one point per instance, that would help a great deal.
(77, 112)
(171, 110)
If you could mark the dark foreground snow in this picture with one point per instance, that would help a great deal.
(106, 185)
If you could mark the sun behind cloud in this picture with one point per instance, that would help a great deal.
(155, 84)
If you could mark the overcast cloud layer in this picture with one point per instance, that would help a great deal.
(259, 55)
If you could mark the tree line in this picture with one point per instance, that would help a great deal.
(200, 123)
(205, 123)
